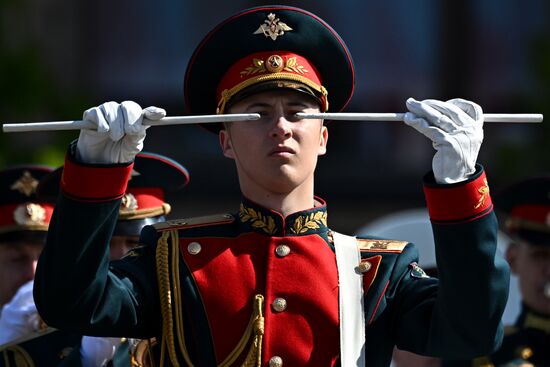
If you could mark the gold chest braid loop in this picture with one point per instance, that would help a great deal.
(168, 276)
(255, 329)
(170, 297)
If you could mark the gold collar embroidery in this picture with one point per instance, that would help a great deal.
(272, 223)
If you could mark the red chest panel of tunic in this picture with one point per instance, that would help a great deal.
(298, 277)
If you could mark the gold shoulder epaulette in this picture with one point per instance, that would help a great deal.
(194, 222)
(381, 245)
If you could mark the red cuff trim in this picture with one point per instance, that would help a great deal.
(92, 182)
(459, 203)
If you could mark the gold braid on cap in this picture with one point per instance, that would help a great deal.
(227, 94)
(131, 214)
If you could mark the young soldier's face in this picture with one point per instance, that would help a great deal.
(277, 153)
(532, 266)
(17, 266)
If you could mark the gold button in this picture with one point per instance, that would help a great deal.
(194, 248)
(282, 250)
(275, 361)
(279, 304)
(365, 266)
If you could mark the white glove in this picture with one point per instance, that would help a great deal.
(96, 352)
(119, 132)
(19, 317)
(455, 128)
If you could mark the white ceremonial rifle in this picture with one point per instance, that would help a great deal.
(205, 119)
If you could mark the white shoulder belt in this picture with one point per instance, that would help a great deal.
(352, 309)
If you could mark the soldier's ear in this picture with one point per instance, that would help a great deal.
(226, 144)
(323, 140)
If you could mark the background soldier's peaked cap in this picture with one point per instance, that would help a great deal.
(21, 211)
(268, 44)
(144, 201)
(526, 205)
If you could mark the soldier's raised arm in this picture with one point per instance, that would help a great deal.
(74, 288)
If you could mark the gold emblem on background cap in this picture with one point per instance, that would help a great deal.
(273, 27)
(29, 214)
(129, 202)
(274, 63)
(26, 184)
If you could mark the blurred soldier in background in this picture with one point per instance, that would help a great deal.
(525, 210)
(144, 203)
(24, 221)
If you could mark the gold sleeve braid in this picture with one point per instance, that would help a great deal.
(167, 260)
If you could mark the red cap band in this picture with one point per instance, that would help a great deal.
(22, 216)
(532, 212)
(269, 66)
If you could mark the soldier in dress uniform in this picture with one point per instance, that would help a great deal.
(144, 203)
(271, 284)
(525, 207)
(23, 226)
(24, 220)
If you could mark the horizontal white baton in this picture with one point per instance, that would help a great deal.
(204, 119)
(358, 116)
(84, 124)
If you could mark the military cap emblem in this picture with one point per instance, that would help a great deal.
(274, 63)
(129, 202)
(315, 60)
(273, 27)
(26, 184)
(30, 214)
